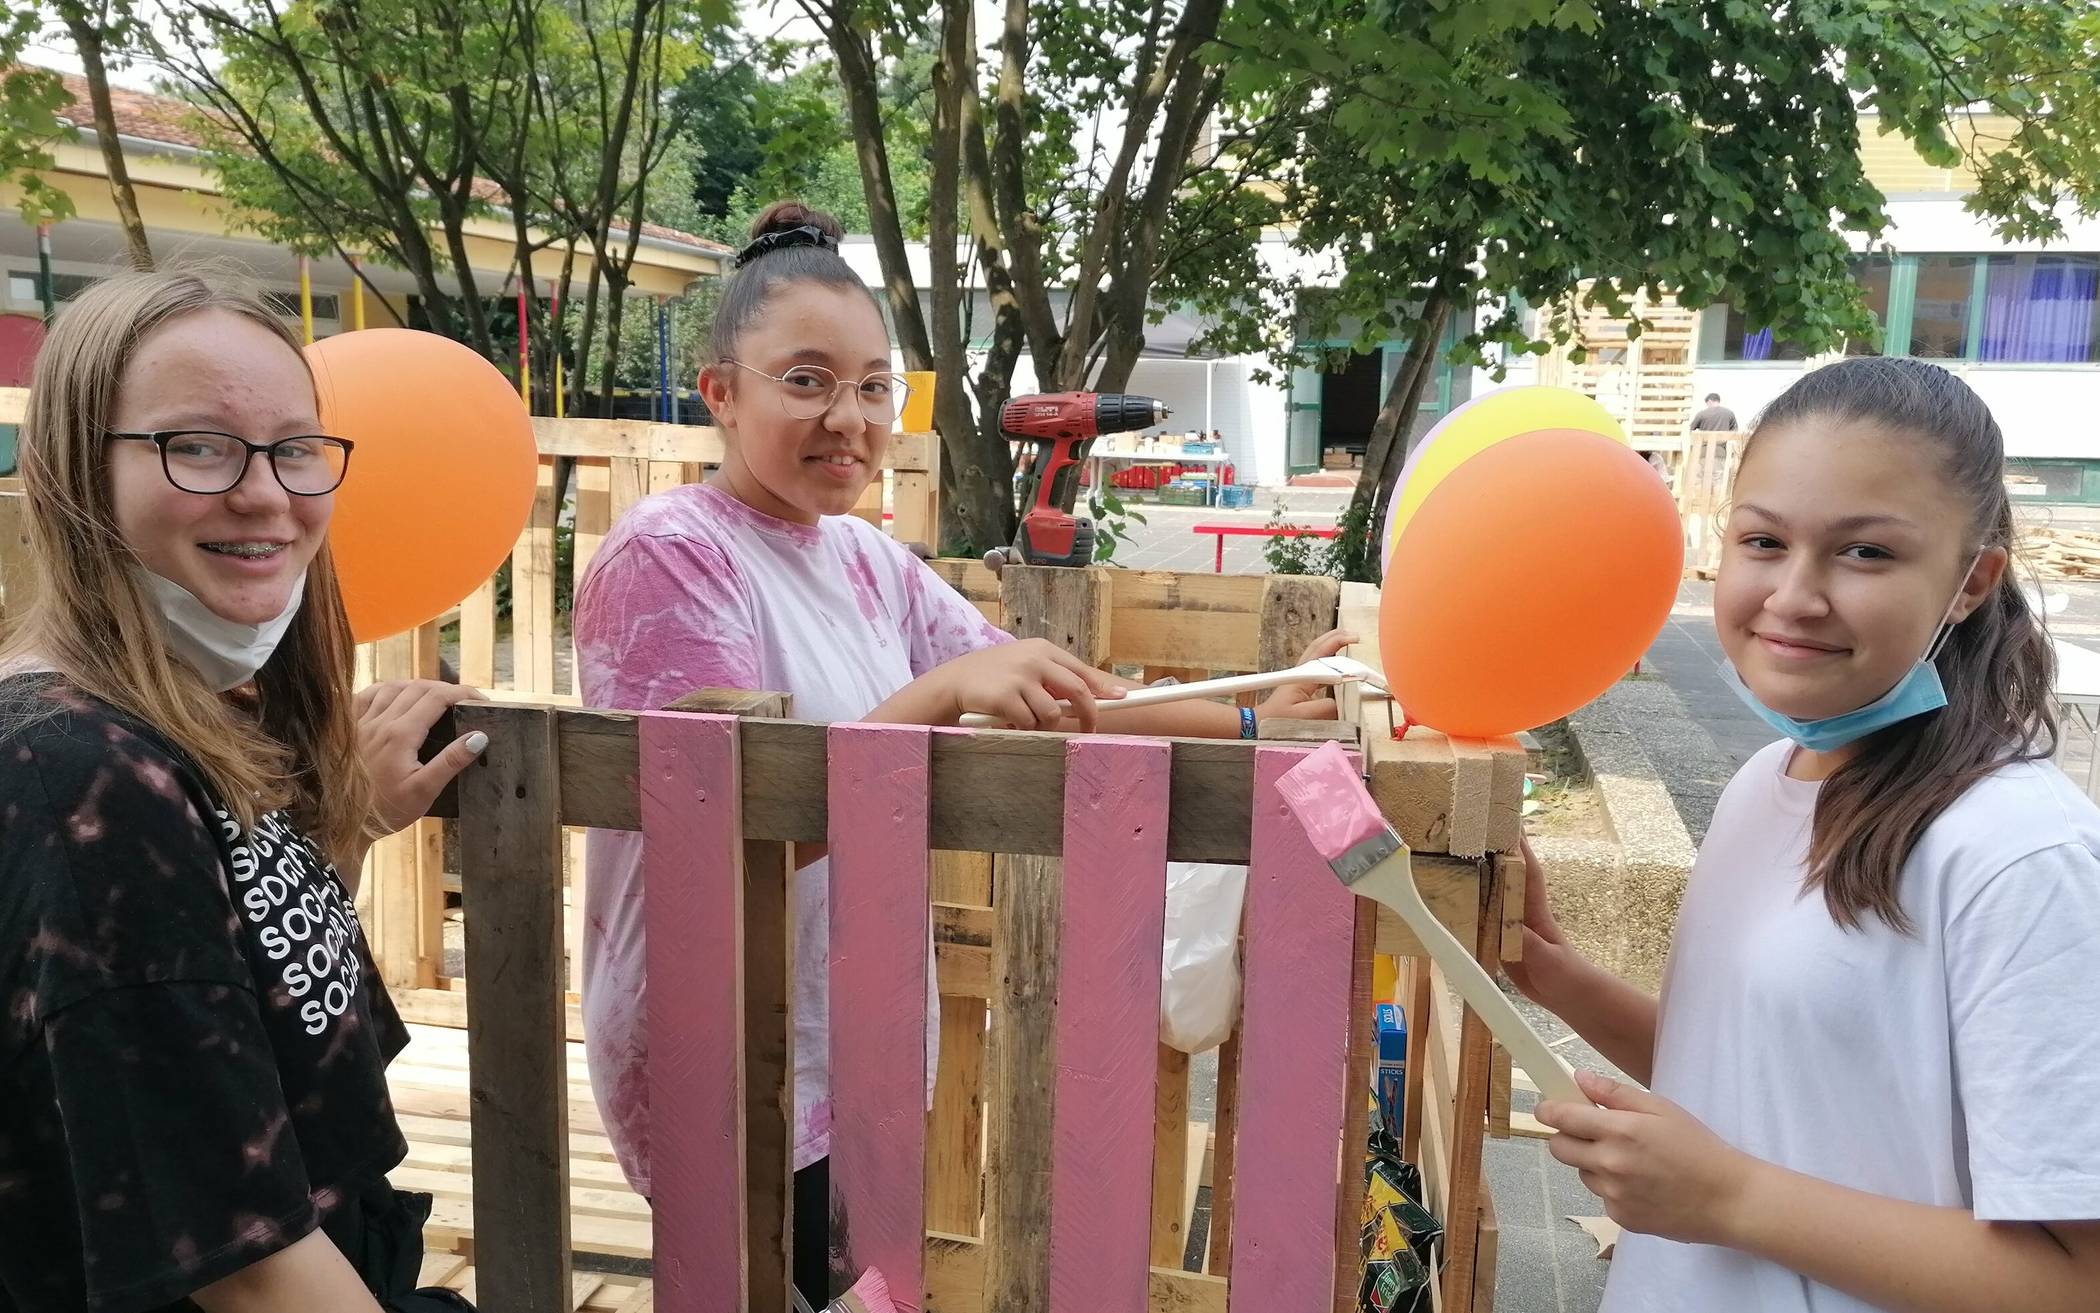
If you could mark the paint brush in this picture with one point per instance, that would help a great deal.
(1325, 670)
(1326, 796)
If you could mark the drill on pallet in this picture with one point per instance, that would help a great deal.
(1063, 426)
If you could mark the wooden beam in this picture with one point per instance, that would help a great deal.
(510, 846)
(977, 776)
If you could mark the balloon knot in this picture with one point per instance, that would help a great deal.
(1400, 730)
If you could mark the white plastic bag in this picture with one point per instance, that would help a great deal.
(1199, 986)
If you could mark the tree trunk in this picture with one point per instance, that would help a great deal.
(87, 39)
(1385, 453)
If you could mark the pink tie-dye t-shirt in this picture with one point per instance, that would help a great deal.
(693, 589)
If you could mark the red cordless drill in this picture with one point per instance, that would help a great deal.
(1063, 426)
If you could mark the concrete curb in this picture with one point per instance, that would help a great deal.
(1618, 900)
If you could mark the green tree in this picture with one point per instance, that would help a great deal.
(105, 34)
(30, 101)
(1486, 157)
(1059, 201)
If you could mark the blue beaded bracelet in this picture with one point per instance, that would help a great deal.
(1247, 730)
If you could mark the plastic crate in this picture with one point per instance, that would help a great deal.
(1179, 494)
(1236, 498)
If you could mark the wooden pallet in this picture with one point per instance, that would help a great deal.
(593, 1292)
(2057, 553)
(429, 1085)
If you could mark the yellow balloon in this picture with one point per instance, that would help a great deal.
(1481, 423)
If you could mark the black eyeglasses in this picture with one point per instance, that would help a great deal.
(208, 462)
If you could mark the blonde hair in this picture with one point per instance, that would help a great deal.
(89, 619)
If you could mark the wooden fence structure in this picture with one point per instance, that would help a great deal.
(1704, 479)
(1645, 381)
(1057, 1148)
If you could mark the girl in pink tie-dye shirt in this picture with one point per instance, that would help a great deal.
(759, 579)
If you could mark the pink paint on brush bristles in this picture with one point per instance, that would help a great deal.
(873, 1294)
(1327, 796)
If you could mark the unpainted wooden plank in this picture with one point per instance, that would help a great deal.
(964, 878)
(532, 593)
(955, 1129)
(1300, 927)
(1020, 1071)
(477, 637)
(1224, 1150)
(511, 886)
(1114, 917)
(880, 868)
(628, 479)
(1415, 985)
(15, 567)
(1462, 1217)
(1295, 610)
(1498, 1093)
(917, 515)
(1170, 1157)
(1356, 1106)
(956, 1269)
(1411, 780)
(769, 1071)
(1451, 888)
(693, 900)
(1472, 790)
(1066, 606)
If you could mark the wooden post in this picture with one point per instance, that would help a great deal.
(1070, 608)
(1462, 1215)
(510, 808)
(14, 554)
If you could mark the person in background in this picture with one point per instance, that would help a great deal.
(1715, 417)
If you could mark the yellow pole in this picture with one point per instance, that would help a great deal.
(357, 295)
(306, 301)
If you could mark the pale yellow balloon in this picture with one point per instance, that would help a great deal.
(1481, 423)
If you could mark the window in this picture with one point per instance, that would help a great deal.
(287, 304)
(2040, 308)
(22, 287)
(1942, 306)
(1876, 274)
(1741, 342)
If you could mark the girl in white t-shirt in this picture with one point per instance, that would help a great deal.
(759, 579)
(1876, 1057)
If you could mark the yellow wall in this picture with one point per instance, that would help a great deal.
(1893, 164)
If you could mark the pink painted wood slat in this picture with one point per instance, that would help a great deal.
(693, 904)
(881, 925)
(1295, 1038)
(1115, 843)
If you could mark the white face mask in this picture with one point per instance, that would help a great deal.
(225, 652)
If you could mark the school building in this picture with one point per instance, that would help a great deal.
(189, 222)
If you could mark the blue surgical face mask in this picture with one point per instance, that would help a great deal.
(1917, 693)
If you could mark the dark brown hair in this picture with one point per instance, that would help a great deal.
(1997, 665)
(751, 288)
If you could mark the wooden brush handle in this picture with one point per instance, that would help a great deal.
(1392, 882)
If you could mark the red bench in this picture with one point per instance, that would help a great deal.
(1259, 531)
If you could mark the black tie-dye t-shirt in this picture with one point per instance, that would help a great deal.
(193, 1044)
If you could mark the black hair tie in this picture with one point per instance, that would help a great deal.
(806, 235)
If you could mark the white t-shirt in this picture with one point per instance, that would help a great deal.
(693, 589)
(1958, 1066)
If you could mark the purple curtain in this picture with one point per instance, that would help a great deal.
(2039, 312)
(1758, 345)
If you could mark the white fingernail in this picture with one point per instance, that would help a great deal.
(477, 743)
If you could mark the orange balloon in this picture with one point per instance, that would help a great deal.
(441, 478)
(1531, 579)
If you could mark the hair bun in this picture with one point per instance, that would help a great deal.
(786, 216)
